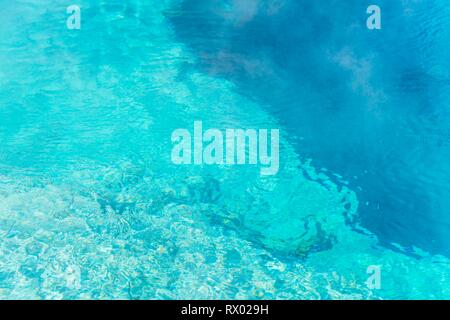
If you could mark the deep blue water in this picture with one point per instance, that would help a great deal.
(369, 105)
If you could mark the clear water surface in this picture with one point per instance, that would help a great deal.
(92, 207)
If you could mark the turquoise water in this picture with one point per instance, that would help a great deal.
(91, 206)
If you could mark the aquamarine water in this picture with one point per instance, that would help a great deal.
(91, 206)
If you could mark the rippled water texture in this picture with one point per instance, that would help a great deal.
(371, 106)
(92, 207)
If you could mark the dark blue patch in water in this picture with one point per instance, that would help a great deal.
(371, 106)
